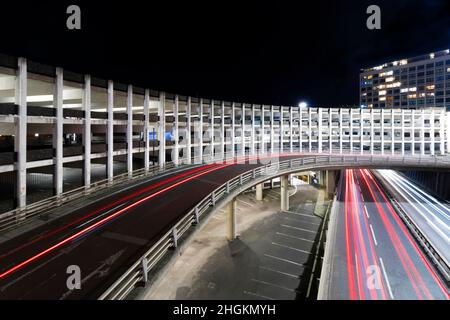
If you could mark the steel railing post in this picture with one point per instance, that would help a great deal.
(144, 264)
(196, 215)
(174, 237)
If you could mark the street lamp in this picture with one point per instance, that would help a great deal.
(303, 104)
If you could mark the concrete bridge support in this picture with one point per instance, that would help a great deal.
(259, 191)
(231, 220)
(329, 182)
(284, 192)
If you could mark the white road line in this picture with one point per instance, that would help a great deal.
(301, 229)
(386, 278)
(294, 237)
(373, 235)
(300, 221)
(366, 211)
(101, 215)
(301, 214)
(257, 295)
(246, 203)
(285, 260)
(272, 285)
(280, 272)
(288, 247)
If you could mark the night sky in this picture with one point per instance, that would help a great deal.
(261, 52)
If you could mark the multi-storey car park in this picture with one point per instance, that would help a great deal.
(63, 131)
(418, 82)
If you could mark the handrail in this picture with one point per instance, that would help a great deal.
(139, 271)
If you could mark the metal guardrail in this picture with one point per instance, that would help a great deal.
(140, 269)
(20, 216)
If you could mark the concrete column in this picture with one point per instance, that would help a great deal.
(87, 130)
(176, 152)
(330, 130)
(319, 129)
(403, 132)
(20, 137)
(231, 220)
(222, 132)
(441, 132)
(361, 129)
(252, 137)
(291, 127)
(382, 132)
(243, 131)
(211, 131)
(272, 133)
(447, 114)
(422, 132)
(284, 192)
(341, 138)
(372, 133)
(130, 130)
(233, 129)
(392, 131)
(330, 183)
(162, 129)
(146, 129)
(413, 132)
(188, 131)
(58, 133)
(259, 191)
(110, 132)
(309, 130)
(300, 129)
(432, 132)
(200, 134)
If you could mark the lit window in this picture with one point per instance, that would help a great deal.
(404, 90)
(382, 92)
(390, 79)
(403, 62)
(383, 99)
(430, 87)
(431, 55)
(413, 89)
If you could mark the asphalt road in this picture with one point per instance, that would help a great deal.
(104, 238)
(431, 215)
(375, 257)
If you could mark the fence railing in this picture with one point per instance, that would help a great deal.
(141, 268)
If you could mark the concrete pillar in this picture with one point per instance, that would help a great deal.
(162, 129)
(309, 130)
(243, 131)
(330, 183)
(403, 132)
(351, 130)
(361, 130)
(146, 129)
(300, 129)
(130, 130)
(291, 133)
(319, 130)
(110, 132)
(176, 152)
(422, 132)
(253, 126)
(259, 191)
(222, 132)
(58, 133)
(233, 129)
(230, 209)
(341, 138)
(87, 131)
(432, 132)
(382, 132)
(211, 131)
(284, 192)
(272, 141)
(413, 132)
(20, 137)
(392, 132)
(188, 131)
(200, 132)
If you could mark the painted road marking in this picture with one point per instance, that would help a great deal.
(288, 247)
(386, 278)
(373, 235)
(301, 229)
(272, 285)
(285, 260)
(280, 272)
(294, 237)
(257, 295)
